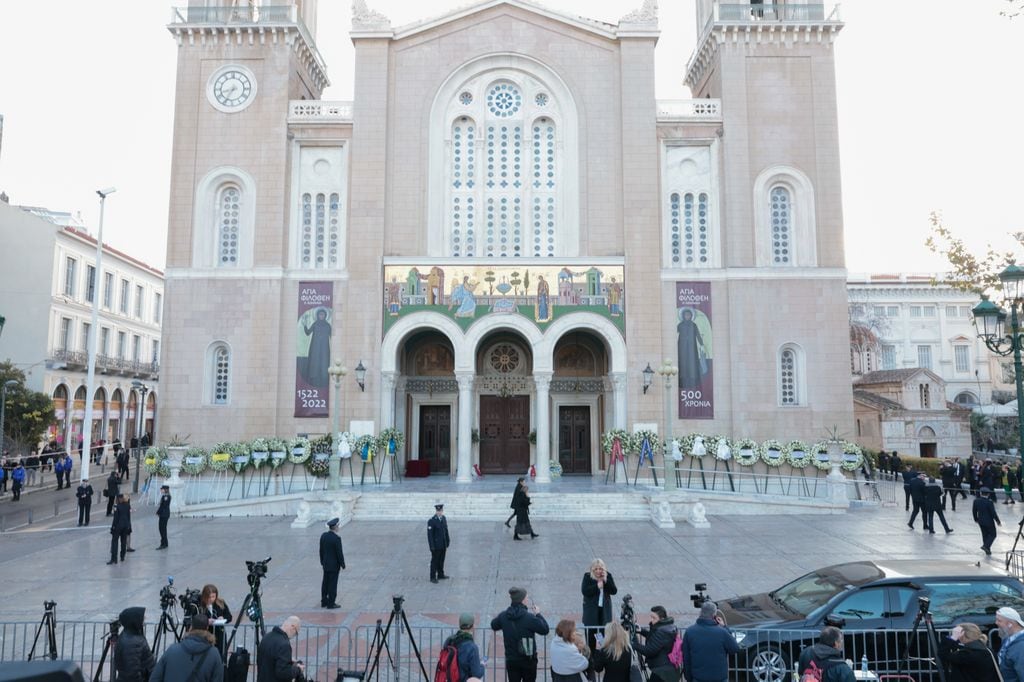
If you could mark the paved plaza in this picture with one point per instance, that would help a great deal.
(736, 555)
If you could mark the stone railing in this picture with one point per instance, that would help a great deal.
(690, 110)
(767, 12)
(247, 14)
(319, 111)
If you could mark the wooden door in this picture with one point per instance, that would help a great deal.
(574, 439)
(436, 437)
(504, 432)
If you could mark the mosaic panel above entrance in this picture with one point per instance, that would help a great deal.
(542, 293)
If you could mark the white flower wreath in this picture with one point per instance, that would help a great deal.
(385, 438)
(797, 454)
(687, 444)
(773, 446)
(637, 442)
(299, 450)
(195, 461)
(853, 457)
(608, 441)
(278, 452)
(362, 442)
(156, 462)
(746, 452)
(819, 456)
(220, 457)
(720, 447)
(240, 457)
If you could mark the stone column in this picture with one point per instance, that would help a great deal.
(619, 400)
(542, 380)
(388, 380)
(464, 462)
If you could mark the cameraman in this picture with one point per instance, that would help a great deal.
(193, 659)
(707, 645)
(659, 638)
(218, 614)
(274, 654)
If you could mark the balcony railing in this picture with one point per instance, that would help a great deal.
(76, 359)
(235, 15)
(690, 110)
(318, 111)
(757, 13)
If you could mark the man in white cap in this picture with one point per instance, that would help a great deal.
(332, 560)
(1011, 653)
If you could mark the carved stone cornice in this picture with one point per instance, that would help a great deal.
(646, 14)
(366, 19)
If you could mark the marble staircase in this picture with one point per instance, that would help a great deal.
(393, 506)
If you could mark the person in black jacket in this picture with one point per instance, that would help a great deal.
(523, 525)
(332, 560)
(515, 499)
(985, 516)
(597, 587)
(518, 628)
(193, 659)
(950, 486)
(615, 656)
(917, 485)
(707, 645)
(84, 495)
(120, 527)
(990, 478)
(113, 484)
(827, 656)
(163, 512)
(657, 645)
(438, 541)
(133, 660)
(933, 506)
(217, 615)
(967, 657)
(908, 475)
(274, 654)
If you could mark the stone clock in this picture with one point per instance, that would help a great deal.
(231, 88)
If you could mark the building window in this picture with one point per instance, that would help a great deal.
(104, 349)
(966, 398)
(1008, 375)
(856, 311)
(878, 311)
(229, 200)
(924, 357)
(892, 311)
(888, 357)
(915, 311)
(781, 226)
(220, 375)
(140, 295)
(965, 311)
(321, 230)
(65, 334)
(951, 311)
(70, 273)
(125, 296)
(962, 358)
(156, 351)
(90, 283)
(924, 394)
(85, 336)
(136, 348)
(121, 341)
(158, 301)
(928, 311)
(108, 290)
(790, 376)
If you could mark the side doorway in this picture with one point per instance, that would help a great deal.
(435, 444)
(574, 439)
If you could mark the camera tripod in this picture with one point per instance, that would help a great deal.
(49, 621)
(165, 625)
(933, 640)
(627, 618)
(380, 642)
(108, 646)
(253, 608)
(1012, 552)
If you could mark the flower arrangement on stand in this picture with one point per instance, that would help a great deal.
(155, 462)
(298, 450)
(853, 456)
(318, 465)
(797, 454)
(695, 445)
(608, 439)
(720, 447)
(364, 448)
(240, 456)
(773, 453)
(746, 452)
(220, 457)
(195, 461)
(555, 467)
(390, 441)
(278, 452)
(819, 456)
(260, 452)
(645, 444)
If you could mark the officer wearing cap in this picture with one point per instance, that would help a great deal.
(332, 560)
(438, 540)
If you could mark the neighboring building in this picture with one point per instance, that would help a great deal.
(914, 323)
(906, 410)
(47, 284)
(504, 228)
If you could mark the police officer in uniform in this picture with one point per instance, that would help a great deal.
(438, 539)
(163, 512)
(84, 495)
(332, 560)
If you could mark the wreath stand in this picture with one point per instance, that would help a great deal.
(192, 489)
(645, 451)
(351, 474)
(252, 480)
(617, 458)
(305, 477)
(396, 474)
(232, 488)
(217, 484)
(373, 470)
(703, 478)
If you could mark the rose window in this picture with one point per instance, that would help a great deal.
(504, 359)
(504, 100)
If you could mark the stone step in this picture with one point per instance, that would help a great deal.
(495, 506)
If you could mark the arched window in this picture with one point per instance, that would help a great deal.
(785, 231)
(782, 229)
(791, 376)
(224, 221)
(966, 398)
(229, 200)
(219, 374)
(319, 216)
(688, 181)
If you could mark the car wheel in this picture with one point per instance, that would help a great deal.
(768, 664)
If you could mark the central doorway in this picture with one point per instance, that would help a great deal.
(574, 439)
(435, 444)
(504, 434)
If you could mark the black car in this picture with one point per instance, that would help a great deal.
(876, 604)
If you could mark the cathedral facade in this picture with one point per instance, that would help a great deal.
(503, 230)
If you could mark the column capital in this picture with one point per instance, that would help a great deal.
(388, 380)
(465, 380)
(542, 380)
(618, 380)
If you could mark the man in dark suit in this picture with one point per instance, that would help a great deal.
(916, 487)
(909, 475)
(950, 487)
(438, 540)
(332, 561)
(933, 506)
(113, 484)
(163, 513)
(986, 517)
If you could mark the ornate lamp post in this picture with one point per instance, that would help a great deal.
(990, 323)
(140, 421)
(668, 371)
(337, 372)
(3, 408)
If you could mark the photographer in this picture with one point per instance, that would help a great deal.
(217, 613)
(827, 656)
(274, 654)
(518, 627)
(133, 661)
(966, 655)
(193, 659)
(707, 645)
(660, 636)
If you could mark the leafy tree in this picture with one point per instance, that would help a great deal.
(526, 282)
(489, 278)
(970, 272)
(515, 281)
(28, 413)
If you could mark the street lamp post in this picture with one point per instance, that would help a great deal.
(90, 377)
(3, 408)
(337, 372)
(668, 371)
(140, 420)
(990, 322)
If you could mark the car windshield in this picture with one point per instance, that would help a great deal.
(804, 595)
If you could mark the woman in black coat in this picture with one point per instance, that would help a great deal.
(215, 610)
(515, 501)
(614, 656)
(522, 507)
(133, 660)
(966, 655)
(597, 587)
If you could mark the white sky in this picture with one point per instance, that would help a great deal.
(930, 112)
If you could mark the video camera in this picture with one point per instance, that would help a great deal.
(190, 602)
(167, 595)
(700, 595)
(397, 600)
(257, 570)
(627, 615)
(49, 605)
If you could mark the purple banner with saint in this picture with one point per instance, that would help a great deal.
(313, 349)
(693, 343)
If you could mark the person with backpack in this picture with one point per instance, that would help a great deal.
(707, 645)
(193, 659)
(518, 628)
(823, 661)
(460, 656)
(661, 639)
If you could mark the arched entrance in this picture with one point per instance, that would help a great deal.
(77, 418)
(149, 417)
(430, 394)
(114, 420)
(504, 367)
(61, 414)
(927, 444)
(578, 390)
(99, 414)
(131, 424)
